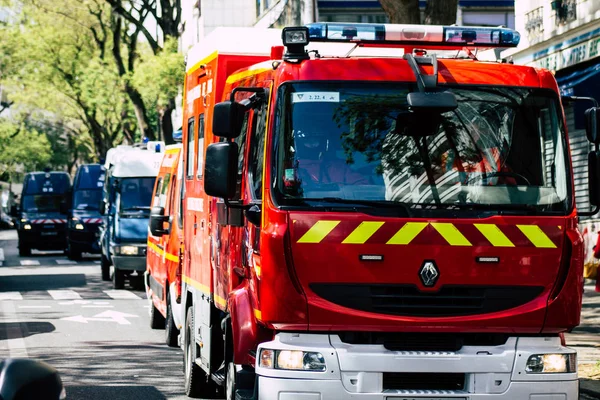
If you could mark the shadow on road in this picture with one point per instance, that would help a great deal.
(11, 330)
(117, 370)
(26, 283)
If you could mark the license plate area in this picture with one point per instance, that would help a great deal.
(49, 233)
(48, 226)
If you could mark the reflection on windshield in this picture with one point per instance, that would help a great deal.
(351, 141)
(41, 203)
(87, 199)
(136, 194)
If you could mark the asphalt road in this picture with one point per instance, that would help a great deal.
(99, 339)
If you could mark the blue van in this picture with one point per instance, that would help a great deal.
(127, 198)
(41, 216)
(84, 214)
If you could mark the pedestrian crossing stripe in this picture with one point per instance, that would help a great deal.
(67, 294)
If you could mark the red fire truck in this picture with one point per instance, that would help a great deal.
(373, 213)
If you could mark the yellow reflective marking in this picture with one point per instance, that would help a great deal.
(451, 234)
(245, 74)
(318, 231)
(257, 269)
(205, 60)
(363, 232)
(407, 233)
(257, 314)
(535, 234)
(161, 252)
(495, 236)
(195, 284)
(220, 301)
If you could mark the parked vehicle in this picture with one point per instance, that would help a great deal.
(41, 216)
(163, 261)
(127, 197)
(364, 224)
(84, 214)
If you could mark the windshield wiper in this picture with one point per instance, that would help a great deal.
(366, 203)
(498, 208)
(136, 208)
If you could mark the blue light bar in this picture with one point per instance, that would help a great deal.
(433, 35)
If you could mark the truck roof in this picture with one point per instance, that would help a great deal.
(137, 163)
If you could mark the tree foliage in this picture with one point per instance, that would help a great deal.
(22, 147)
(437, 12)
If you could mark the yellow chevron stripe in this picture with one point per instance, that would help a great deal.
(451, 234)
(495, 236)
(257, 314)
(161, 252)
(363, 232)
(537, 236)
(318, 232)
(220, 301)
(407, 233)
(247, 73)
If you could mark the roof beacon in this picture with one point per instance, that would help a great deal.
(404, 34)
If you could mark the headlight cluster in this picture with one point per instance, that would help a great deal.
(295, 360)
(551, 363)
(129, 250)
(76, 224)
(27, 226)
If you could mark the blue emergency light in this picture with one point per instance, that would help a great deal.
(434, 35)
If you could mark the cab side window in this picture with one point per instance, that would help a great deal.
(156, 200)
(200, 152)
(257, 146)
(241, 142)
(163, 191)
(190, 148)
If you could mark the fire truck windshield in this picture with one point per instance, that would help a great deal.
(502, 148)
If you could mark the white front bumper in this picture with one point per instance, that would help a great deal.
(356, 371)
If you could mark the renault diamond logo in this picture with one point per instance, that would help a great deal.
(429, 273)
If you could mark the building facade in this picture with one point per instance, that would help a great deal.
(564, 37)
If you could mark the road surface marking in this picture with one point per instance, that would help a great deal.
(98, 306)
(105, 316)
(14, 334)
(64, 295)
(66, 262)
(11, 296)
(34, 306)
(27, 263)
(121, 294)
(1, 254)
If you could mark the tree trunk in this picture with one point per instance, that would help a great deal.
(404, 11)
(166, 124)
(140, 112)
(441, 12)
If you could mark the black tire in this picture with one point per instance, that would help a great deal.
(157, 321)
(119, 279)
(73, 253)
(197, 384)
(105, 267)
(24, 250)
(171, 331)
(230, 381)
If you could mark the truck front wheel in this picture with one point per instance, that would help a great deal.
(171, 331)
(119, 279)
(197, 384)
(24, 250)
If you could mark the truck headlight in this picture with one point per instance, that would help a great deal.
(77, 224)
(295, 360)
(551, 363)
(128, 250)
(27, 227)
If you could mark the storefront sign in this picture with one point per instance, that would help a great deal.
(569, 56)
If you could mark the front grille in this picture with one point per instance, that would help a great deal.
(422, 341)
(408, 300)
(422, 381)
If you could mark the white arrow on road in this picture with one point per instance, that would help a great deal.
(106, 316)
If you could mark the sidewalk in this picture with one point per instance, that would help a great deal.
(586, 340)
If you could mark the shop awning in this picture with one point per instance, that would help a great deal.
(582, 82)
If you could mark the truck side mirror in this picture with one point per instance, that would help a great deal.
(228, 117)
(592, 129)
(102, 207)
(220, 170)
(29, 379)
(157, 220)
(594, 177)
